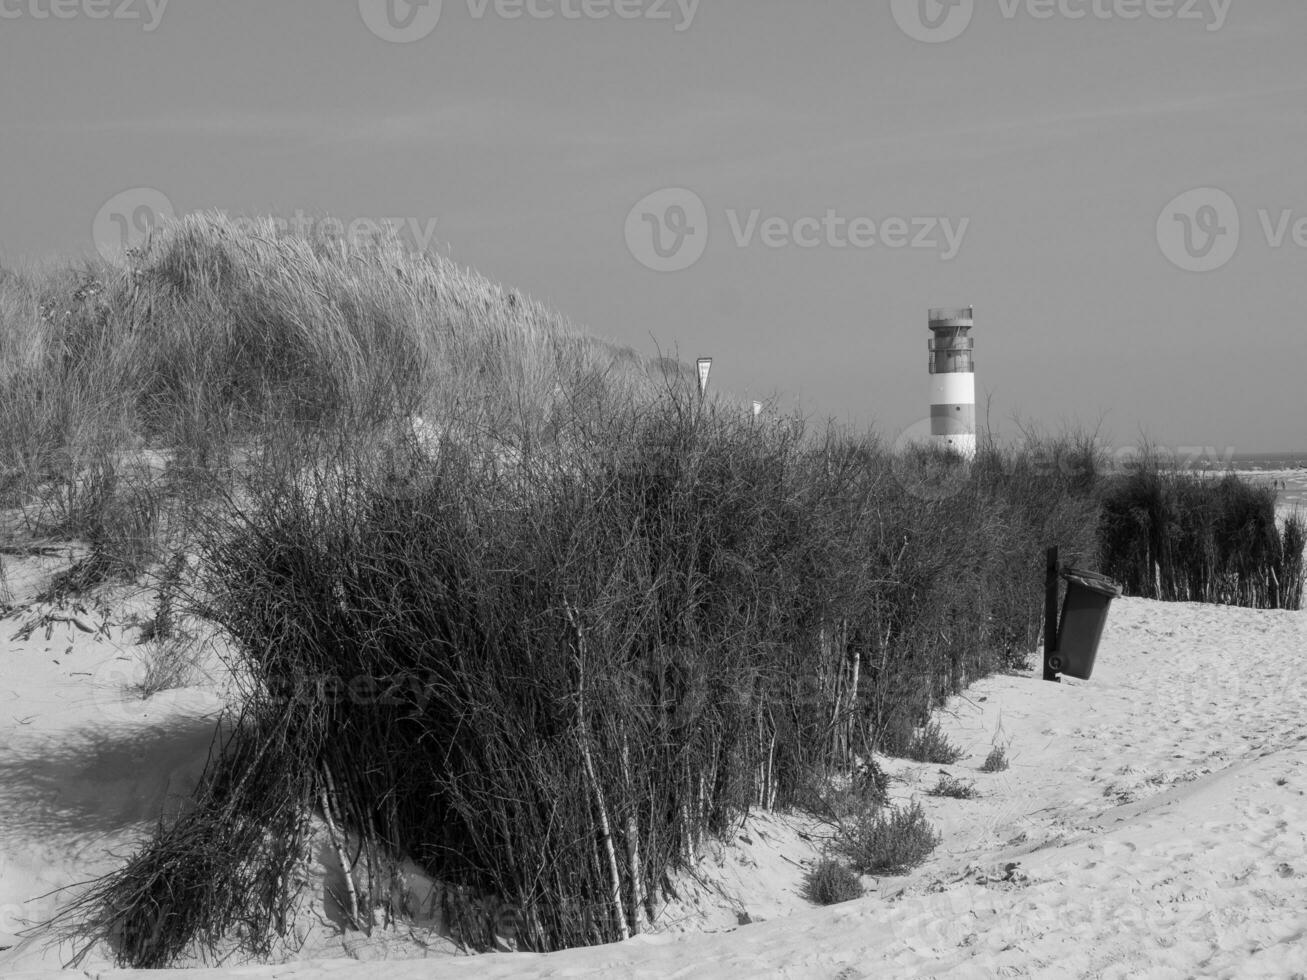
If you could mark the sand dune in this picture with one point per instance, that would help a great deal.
(1153, 821)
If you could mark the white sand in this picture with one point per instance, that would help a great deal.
(1156, 817)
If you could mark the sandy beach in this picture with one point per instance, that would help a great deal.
(1153, 820)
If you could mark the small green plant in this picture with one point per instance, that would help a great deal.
(888, 844)
(996, 761)
(953, 788)
(830, 882)
(931, 745)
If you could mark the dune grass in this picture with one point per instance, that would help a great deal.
(216, 333)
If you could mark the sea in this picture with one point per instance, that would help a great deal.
(1286, 472)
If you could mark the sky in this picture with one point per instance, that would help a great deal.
(1116, 186)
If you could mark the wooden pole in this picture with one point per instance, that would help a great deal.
(1050, 615)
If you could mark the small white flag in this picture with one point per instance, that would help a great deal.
(705, 365)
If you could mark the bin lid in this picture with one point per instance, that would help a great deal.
(1094, 581)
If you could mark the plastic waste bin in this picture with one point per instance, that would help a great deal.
(1084, 614)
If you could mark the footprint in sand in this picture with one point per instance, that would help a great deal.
(1116, 849)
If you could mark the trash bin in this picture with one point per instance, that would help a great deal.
(1084, 613)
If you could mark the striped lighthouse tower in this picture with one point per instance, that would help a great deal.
(953, 381)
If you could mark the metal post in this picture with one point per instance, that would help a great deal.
(1050, 615)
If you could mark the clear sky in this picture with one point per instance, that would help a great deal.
(1034, 159)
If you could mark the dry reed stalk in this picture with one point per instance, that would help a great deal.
(632, 845)
(596, 789)
(328, 793)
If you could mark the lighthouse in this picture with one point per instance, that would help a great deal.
(953, 381)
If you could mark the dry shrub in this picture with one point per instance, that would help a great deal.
(170, 664)
(830, 882)
(892, 843)
(932, 745)
(546, 676)
(953, 788)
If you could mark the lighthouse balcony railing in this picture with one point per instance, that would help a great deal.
(944, 315)
(952, 343)
(968, 368)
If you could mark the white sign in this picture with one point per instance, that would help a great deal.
(705, 365)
